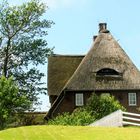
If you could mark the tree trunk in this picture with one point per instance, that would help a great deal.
(6, 59)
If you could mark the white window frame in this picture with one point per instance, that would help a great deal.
(79, 99)
(132, 99)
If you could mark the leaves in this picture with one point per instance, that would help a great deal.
(11, 101)
(23, 45)
(80, 116)
(103, 105)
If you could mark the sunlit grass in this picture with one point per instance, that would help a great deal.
(70, 133)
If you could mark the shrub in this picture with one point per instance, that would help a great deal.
(31, 118)
(62, 119)
(102, 105)
(80, 116)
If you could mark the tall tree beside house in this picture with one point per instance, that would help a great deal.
(23, 46)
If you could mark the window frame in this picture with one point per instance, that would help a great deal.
(79, 99)
(130, 99)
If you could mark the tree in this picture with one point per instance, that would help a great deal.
(23, 46)
(10, 100)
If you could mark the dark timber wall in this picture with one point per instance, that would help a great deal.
(67, 104)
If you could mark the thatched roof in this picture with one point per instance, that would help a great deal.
(60, 69)
(105, 53)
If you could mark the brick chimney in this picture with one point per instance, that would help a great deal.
(103, 28)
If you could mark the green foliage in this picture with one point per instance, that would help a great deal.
(63, 119)
(30, 118)
(102, 105)
(23, 46)
(96, 108)
(82, 117)
(79, 117)
(11, 101)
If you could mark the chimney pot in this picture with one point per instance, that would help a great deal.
(103, 28)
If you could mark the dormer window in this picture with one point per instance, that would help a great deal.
(108, 73)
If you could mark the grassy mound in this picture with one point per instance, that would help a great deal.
(70, 133)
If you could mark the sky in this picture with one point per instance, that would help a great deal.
(76, 22)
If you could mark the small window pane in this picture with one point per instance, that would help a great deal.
(132, 99)
(79, 99)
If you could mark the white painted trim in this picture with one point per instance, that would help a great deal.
(130, 123)
(81, 97)
(129, 99)
(118, 119)
(112, 120)
(130, 118)
(133, 114)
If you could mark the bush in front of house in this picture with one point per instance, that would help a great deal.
(96, 108)
(80, 116)
(102, 105)
(63, 119)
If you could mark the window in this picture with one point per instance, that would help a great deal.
(107, 71)
(79, 99)
(132, 99)
(108, 74)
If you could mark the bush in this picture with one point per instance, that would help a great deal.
(26, 119)
(63, 119)
(80, 116)
(31, 118)
(102, 105)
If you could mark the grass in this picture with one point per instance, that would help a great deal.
(70, 133)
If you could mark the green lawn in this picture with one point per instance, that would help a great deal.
(70, 133)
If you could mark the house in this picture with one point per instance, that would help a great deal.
(105, 69)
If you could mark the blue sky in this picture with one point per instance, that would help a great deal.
(76, 21)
